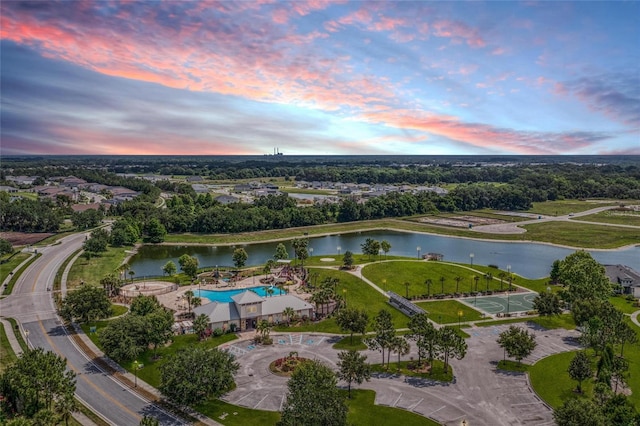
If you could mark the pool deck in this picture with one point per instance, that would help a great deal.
(174, 300)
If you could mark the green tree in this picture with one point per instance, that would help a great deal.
(156, 232)
(385, 332)
(517, 342)
(144, 305)
(149, 421)
(400, 346)
(347, 260)
(111, 285)
(580, 368)
(158, 325)
(124, 338)
(5, 247)
(281, 252)
(264, 328)
(288, 312)
(97, 242)
(189, 296)
(554, 275)
(450, 344)
(385, 246)
(36, 381)
(240, 257)
(200, 324)
(191, 376)
(352, 320)
(86, 303)
(189, 265)
(584, 277)
(370, 247)
(578, 412)
(169, 268)
(313, 398)
(425, 335)
(353, 367)
(300, 248)
(547, 303)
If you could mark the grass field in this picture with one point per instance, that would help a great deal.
(363, 412)
(624, 305)
(6, 268)
(446, 311)
(7, 356)
(630, 218)
(358, 295)
(564, 207)
(582, 235)
(14, 278)
(93, 270)
(397, 273)
(347, 345)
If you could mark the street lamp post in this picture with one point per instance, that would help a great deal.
(508, 293)
(509, 273)
(26, 335)
(310, 251)
(136, 366)
(459, 318)
(344, 292)
(418, 250)
(339, 248)
(471, 256)
(384, 285)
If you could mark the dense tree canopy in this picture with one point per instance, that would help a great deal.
(86, 303)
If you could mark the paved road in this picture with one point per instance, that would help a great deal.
(480, 393)
(515, 227)
(32, 305)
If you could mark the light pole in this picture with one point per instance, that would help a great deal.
(384, 285)
(459, 318)
(380, 253)
(471, 256)
(136, 366)
(509, 273)
(344, 291)
(418, 250)
(26, 335)
(339, 248)
(310, 251)
(508, 293)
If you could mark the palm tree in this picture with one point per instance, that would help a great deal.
(200, 325)
(196, 301)
(188, 296)
(264, 328)
(406, 286)
(428, 282)
(270, 291)
(501, 275)
(442, 279)
(458, 279)
(288, 312)
(131, 274)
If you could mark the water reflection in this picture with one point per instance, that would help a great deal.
(531, 260)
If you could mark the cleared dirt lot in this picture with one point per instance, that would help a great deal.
(24, 238)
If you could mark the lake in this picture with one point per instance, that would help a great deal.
(531, 260)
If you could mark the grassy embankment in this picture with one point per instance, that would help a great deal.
(93, 270)
(565, 207)
(616, 218)
(14, 278)
(6, 268)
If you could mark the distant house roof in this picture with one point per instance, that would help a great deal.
(246, 297)
(622, 275)
(200, 188)
(8, 189)
(226, 199)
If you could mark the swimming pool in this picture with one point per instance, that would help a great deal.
(224, 296)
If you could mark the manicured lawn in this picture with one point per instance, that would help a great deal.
(118, 310)
(401, 368)
(363, 412)
(93, 270)
(358, 259)
(582, 235)
(6, 268)
(235, 415)
(509, 365)
(624, 305)
(556, 321)
(14, 278)
(358, 295)
(346, 345)
(397, 273)
(551, 381)
(618, 218)
(446, 311)
(7, 356)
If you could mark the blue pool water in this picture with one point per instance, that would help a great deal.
(224, 296)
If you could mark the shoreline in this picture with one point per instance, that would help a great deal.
(367, 229)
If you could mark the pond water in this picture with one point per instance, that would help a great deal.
(531, 260)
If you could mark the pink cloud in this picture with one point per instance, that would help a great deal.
(457, 31)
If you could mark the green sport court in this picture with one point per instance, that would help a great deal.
(519, 302)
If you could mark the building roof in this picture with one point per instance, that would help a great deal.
(277, 304)
(246, 297)
(622, 274)
(218, 312)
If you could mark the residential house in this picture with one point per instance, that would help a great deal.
(627, 278)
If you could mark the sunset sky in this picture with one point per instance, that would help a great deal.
(320, 77)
